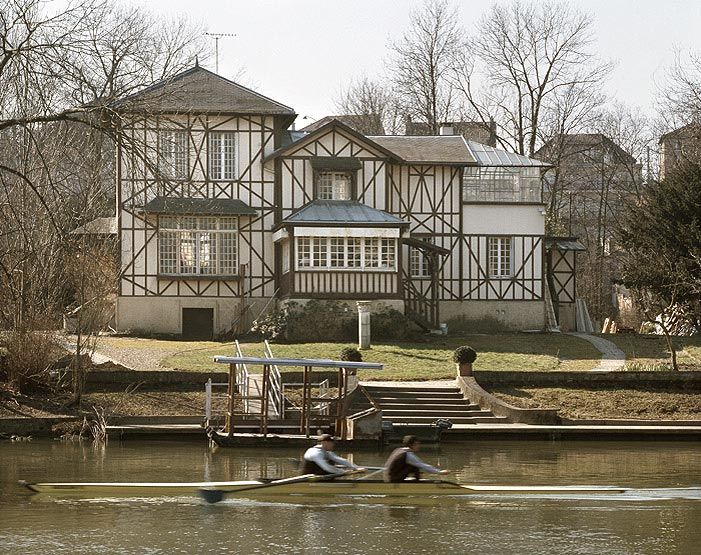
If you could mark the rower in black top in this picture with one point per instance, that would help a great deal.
(321, 459)
(403, 463)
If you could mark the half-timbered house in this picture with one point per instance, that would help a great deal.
(223, 210)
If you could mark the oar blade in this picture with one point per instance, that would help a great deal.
(211, 495)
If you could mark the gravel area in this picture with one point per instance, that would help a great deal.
(140, 354)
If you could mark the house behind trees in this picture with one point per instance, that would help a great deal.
(592, 181)
(681, 144)
(224, 209)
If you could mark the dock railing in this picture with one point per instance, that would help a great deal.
(308, 400)
(277, 397)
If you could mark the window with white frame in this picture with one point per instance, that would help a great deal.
(189, 245)
(333, 186)
(419, 263)
(346, 253)
(222, 155)
(500, 253)
(173, 154)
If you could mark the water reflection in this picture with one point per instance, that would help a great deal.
(650, 520)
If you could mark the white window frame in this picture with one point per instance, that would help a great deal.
(174, 154)
(328, 185)
(222, 158)
(346, 254)
(500, 257)
(419, 264)
(197, 246)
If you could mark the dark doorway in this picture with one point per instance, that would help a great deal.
(198, 324)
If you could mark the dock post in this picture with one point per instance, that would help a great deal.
(231, 389)
(264, 401)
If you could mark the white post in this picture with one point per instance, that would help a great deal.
(363, 324)
(208, 401)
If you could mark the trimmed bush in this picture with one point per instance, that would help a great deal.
(351, 354)
(464, 355)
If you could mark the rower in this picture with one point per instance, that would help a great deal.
(321, 459)
(403, 462)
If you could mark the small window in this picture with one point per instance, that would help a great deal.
(222, 155)
(500, 257)
(333, 186)
(419, 263)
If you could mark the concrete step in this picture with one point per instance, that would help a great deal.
(457, 420)
(411, 398)
(435, 413)
(382, 401)
(464, 405)
(438, 391)
(412, 388)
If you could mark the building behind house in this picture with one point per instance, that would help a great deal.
(679, 145)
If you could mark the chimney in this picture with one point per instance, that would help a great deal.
(446, 130)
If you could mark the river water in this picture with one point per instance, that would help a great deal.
(662, 513)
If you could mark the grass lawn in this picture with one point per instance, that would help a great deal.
(423, 359)
(650, 351)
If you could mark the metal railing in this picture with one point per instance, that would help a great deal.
(275, 391)
(243, 383)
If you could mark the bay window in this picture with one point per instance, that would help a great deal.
(346, 253)
(197, 246)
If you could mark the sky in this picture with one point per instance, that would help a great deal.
(303, 52)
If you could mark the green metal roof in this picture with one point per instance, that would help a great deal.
(348, 212)
(198, 206)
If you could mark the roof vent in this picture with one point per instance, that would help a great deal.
(446, 130)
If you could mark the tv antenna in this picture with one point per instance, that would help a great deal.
(216, 37)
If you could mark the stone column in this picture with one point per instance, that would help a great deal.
(363, 324)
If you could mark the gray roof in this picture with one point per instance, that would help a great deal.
(442, 149)
(349, 212)
(359, 122)
(98, 226)
(198, 90)
(490, 156)
(198, 206)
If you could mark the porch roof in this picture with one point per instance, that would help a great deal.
(198, 206)
(564, 244)
(343, 212)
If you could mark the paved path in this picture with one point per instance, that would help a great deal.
(612, 358)
(97, 358)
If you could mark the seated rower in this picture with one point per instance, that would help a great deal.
(321, 459)
(403, 462)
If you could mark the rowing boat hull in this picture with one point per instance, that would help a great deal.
(254, 489)
(135, 489)
(422, 488)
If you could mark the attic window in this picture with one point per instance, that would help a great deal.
(333, 185)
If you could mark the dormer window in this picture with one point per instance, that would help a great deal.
(333, 185)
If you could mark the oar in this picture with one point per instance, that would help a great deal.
(211, 495)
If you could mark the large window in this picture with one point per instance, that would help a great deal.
(500, 257)
(346, 253)
(222, 155)
(190, 245)
(502, 184)
(173, 154)
(333, 185)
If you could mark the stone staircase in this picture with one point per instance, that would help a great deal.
(423, 405)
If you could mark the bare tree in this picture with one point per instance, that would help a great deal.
(536, 70)
(423, 61)
(375, 104)
(62, 67)
(679, 96)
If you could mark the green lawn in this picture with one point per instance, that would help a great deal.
(424, 359)
(651, 350)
